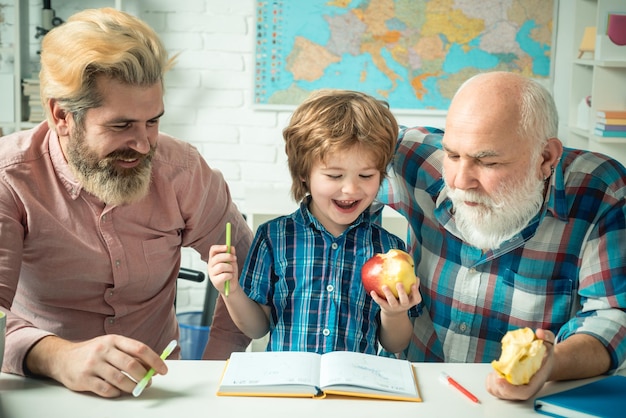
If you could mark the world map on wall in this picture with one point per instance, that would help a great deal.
(414, 54)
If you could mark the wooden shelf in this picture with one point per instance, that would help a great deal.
(608, 140)
(604, 80)
(12, 116)
(16, 13)
(601, 63)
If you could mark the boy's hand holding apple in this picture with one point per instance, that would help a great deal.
(390, 280)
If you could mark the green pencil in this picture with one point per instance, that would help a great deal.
(227, 284)
(144, 382)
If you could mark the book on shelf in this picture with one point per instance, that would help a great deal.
(35, 111)
(303, 374)
(30, 87)
(609, 134)
(588, 42)
(30, 90)
(614, 121)
(612, 114)
(600, 398)
(36, 117)
(609, 127)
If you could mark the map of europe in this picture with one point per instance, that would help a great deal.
(413, 54)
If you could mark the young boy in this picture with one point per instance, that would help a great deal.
(302, 277)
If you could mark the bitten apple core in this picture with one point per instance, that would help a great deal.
(394, 266)
(522, 355)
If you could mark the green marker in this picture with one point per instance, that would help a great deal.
(144, 382)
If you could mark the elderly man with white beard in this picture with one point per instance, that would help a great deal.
(509, 229)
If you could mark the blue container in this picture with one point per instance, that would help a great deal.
(193, 336)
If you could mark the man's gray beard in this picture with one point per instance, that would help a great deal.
(103, 179)
(500, 218)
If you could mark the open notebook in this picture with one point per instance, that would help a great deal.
(303, 374)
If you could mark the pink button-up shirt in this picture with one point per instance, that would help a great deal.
(74, 267)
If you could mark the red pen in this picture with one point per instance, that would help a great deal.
(447, 379)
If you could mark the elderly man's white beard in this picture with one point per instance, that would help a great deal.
(496, 219)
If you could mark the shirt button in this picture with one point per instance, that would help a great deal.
(472, 270)
(104, 218)
(330, 288)
(326, 332)
(110, 293)
(111, 321)
(117, 263)
(463, 327)
(334, 246)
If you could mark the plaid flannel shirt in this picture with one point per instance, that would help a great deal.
(312, 282)
(566, 271)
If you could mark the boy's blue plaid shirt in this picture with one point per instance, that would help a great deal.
(566, 271)
(312, 282)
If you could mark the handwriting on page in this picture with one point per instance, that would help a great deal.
(282, 368)
(373, 372)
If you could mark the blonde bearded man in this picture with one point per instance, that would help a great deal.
(95, 206)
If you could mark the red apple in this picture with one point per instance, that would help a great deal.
(395, 266)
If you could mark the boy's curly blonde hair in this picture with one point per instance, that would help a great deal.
(336, 120)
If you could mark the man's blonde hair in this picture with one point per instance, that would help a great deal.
(92, 43)
(336, 120)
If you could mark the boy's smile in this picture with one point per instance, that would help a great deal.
(342, 187)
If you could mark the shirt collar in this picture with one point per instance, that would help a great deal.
(557, 202)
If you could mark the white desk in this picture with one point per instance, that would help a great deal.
(188, 390)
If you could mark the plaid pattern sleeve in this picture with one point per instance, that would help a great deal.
(566, 271)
